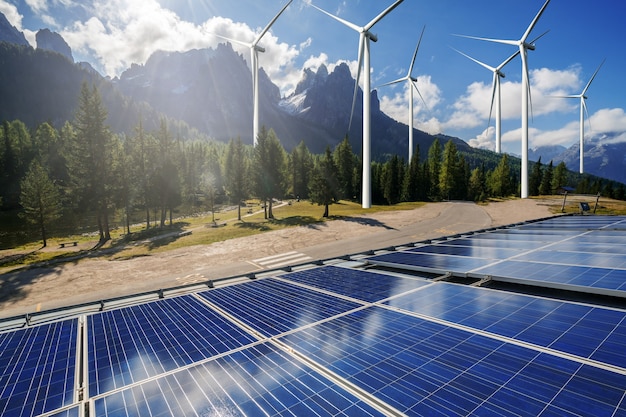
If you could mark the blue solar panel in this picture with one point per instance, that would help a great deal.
(362, 285)
(135, 343)
(37, 368)
(260, 380)
(491, 243)
(69, 412)
(576, 278)
(272, 307)
(599, 260)
(473, 251)
(422, 368)
(429, 262)
(582, 330)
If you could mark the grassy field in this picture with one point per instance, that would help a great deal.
(201, 230)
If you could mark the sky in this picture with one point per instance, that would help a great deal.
(113, 34)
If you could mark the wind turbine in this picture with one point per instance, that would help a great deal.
(495, 90)
(523, 49)
(583, 110)
(254, 65)
(411, 84)
(364, 61)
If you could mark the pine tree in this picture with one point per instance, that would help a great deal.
(40, 199)
(301, 168)
(236, 173)
(393, 174)
(434, 167)
(560, 176)
(449, 175)
(346, 163)
(534, 182)
(500, 182)
(546, 181)
(269, 168)
(413, 183)
(324, 186)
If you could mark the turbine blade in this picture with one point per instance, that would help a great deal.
(381, 15)
(571, 96)
(246, 44)
(269, 25)
(592, 77)
(539, 37)
(534, 22)
(504, 41)
(340, 20)
(506, 61)
(477, 61)
(495, 83)
(362, 41)
(582, 103)
(414, 84)
(416, 49)
(391, 82)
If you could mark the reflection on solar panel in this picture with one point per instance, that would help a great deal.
(37, 368)
(272, 307)
(422, 368)
(260, 380)
(341, 341)
(589, 332)
(135, 343)
(354, 283)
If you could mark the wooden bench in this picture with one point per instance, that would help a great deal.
(64, 244)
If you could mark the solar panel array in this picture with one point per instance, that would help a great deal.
(585, 254)
(335, 340)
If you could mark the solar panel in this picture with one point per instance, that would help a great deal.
(138, 342)
(476, 241)
(271, 306)
(589, 332)
(429, 262)
(574, 278)
(472, 251)
(420, 368)
(259, 380)
(69, 412)
(37, 368)
(598, 260)
(354, 283)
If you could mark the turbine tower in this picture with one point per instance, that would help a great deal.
(254, 65)
(583, 110)
(495, 90)
(364, 61)
(523, 47)
(411, 84)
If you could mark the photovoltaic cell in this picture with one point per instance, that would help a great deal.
(582, 330)
(598, 260)
(423, 368)
(259, 380)
(358, 284)
(272, 307)
(37, 368)
(476, 241)
(142, 341)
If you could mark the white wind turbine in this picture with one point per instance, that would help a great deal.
(364, 60)
(583, 110)
(496, 95)
(411, 84)
(254, 65)
(523, 49)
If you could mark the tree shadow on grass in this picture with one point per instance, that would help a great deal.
(365, 221)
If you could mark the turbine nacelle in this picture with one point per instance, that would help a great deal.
(371, 36)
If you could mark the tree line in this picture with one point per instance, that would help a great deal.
(84, 174)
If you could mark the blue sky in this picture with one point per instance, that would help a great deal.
(113, 34)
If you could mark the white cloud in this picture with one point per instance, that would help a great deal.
(485, 140)
(10, 12)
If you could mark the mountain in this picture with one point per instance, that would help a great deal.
(9, 33)
(546, 153)
(603, 157)
(52, 41)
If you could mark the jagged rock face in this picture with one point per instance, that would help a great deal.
(9, 33)
(52, 41)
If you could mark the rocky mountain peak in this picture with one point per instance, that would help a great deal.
(52, 41)
(9, 33)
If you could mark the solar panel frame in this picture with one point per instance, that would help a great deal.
(438, 264)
